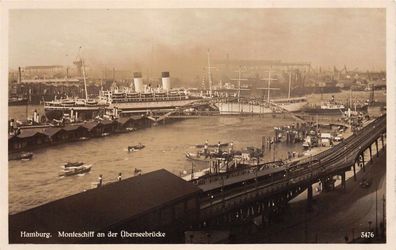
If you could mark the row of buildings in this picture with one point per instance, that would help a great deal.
(31, 138)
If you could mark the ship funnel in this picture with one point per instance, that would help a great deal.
(138, 82)
(166, 83)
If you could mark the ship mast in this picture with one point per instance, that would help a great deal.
(239, 81)
(288, 95)
(81, 69)
(85, 79)
(269, 85)
(209, 75)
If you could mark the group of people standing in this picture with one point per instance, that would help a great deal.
(119, 177)
(218, 150)
(100, 179)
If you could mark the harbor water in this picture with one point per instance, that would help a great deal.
(35, 182)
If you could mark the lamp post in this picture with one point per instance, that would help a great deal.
(192, 170)
(222, 190)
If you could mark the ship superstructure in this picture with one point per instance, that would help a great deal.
(135, 99)
(140, 98)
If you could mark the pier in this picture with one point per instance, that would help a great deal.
(252, 196)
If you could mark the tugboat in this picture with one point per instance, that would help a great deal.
(26, 156)
(197, 157)
(73, 164)
(74, 168)
(17, 100)
(136, 147)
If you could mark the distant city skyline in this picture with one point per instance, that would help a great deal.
(178, 39)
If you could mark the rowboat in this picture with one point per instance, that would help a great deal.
(70, 171)
(73, 164)
(197, 157)
(26, 156)
(136, 147)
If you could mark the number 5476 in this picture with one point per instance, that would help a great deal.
(367, 235)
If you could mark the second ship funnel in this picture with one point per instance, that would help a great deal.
(138, 82)
(166, 83)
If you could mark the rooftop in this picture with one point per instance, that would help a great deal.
(103, 207)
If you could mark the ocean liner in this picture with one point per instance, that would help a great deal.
(139, 98)
(135, 99)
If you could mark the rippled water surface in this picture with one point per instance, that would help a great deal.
(35, 182)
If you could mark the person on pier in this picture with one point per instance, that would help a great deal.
(206, 149)
(231, 148)
(100, 181)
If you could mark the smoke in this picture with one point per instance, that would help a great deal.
(183, 62)
(177, 40)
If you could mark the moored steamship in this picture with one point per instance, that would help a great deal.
(144, 99)
(136, 99)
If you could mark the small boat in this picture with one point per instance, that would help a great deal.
(75, 170)
(212, 145)
(196, 175)
(197, 157)
(207, 158)
(73, 164)
(105, 134)
(26, 156)
(136, 147)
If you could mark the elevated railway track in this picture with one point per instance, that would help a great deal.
(262, 192)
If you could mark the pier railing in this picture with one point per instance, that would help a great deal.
(332, 162)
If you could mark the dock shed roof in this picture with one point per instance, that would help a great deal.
(124, 120)
(91, 125)
(52, 131)
(30, 133)
(107, 122)
(72, 127)
(100, 208)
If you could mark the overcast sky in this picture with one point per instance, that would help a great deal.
(177, 39)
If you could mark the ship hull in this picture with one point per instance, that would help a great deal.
(89, 112)
(84, 112)
(144, 107)
(318, 110)
(235, 108)
(293, 107)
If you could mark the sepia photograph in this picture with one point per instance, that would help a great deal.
(197, 124)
